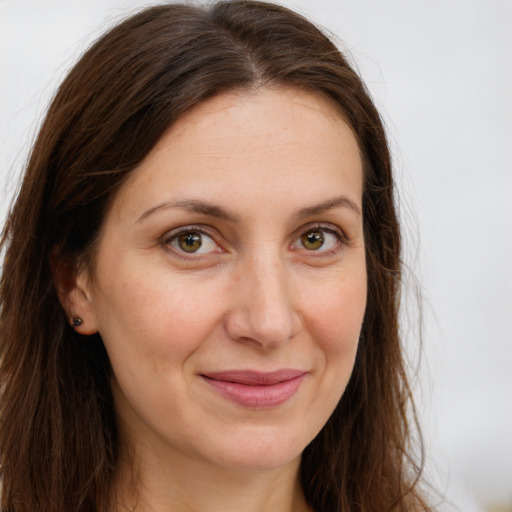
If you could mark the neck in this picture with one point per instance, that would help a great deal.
(195, 486)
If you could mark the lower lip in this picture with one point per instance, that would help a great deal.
(257, 397)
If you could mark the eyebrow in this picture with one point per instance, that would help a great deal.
(192, 206)
(330, 204)
(219, 212)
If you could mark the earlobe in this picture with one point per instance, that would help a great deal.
(74, 292)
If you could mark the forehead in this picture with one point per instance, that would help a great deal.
(277, 114)
(264, 142)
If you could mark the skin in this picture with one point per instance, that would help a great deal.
(251, 173)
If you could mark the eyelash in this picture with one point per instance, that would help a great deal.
(324, 228)
(173, 235)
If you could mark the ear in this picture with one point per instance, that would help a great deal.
(74, 291)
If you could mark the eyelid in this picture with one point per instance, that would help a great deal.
(325, 227)
(171, 235)
(206, 230)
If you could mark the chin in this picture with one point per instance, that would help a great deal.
(261, 452)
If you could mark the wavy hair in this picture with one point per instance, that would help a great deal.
(58, 438)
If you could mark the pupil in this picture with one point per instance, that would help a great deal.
(190, 242)
(313, 240)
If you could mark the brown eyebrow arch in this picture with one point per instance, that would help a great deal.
(329, 205)
(211, 210)
(193, 206)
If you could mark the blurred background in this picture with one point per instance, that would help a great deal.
(441, 74)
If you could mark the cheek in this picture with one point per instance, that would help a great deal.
(153, 319)
(334, 318)
(335, 311)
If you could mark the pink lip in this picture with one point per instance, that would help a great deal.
(256, 389)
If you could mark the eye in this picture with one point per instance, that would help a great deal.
(318, 239)
(193, 242)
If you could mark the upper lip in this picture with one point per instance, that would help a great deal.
(255, 378)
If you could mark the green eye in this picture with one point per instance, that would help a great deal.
(190, 241)
(312, 240)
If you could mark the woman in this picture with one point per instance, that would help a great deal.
(201, 277)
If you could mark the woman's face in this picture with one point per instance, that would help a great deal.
(229, 285)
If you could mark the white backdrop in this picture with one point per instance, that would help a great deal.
(441, 72)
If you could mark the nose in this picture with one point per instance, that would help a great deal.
(263, 311)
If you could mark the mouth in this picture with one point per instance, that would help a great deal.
(253, 389)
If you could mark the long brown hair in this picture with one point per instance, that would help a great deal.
(58, 437)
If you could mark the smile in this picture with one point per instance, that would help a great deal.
(258, 390)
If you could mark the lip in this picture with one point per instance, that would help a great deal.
(257, 390)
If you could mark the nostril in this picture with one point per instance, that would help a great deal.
(266, 329)
(262, 310)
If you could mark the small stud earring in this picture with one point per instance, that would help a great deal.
(77, 321)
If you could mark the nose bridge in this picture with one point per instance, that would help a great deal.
(263, 311)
